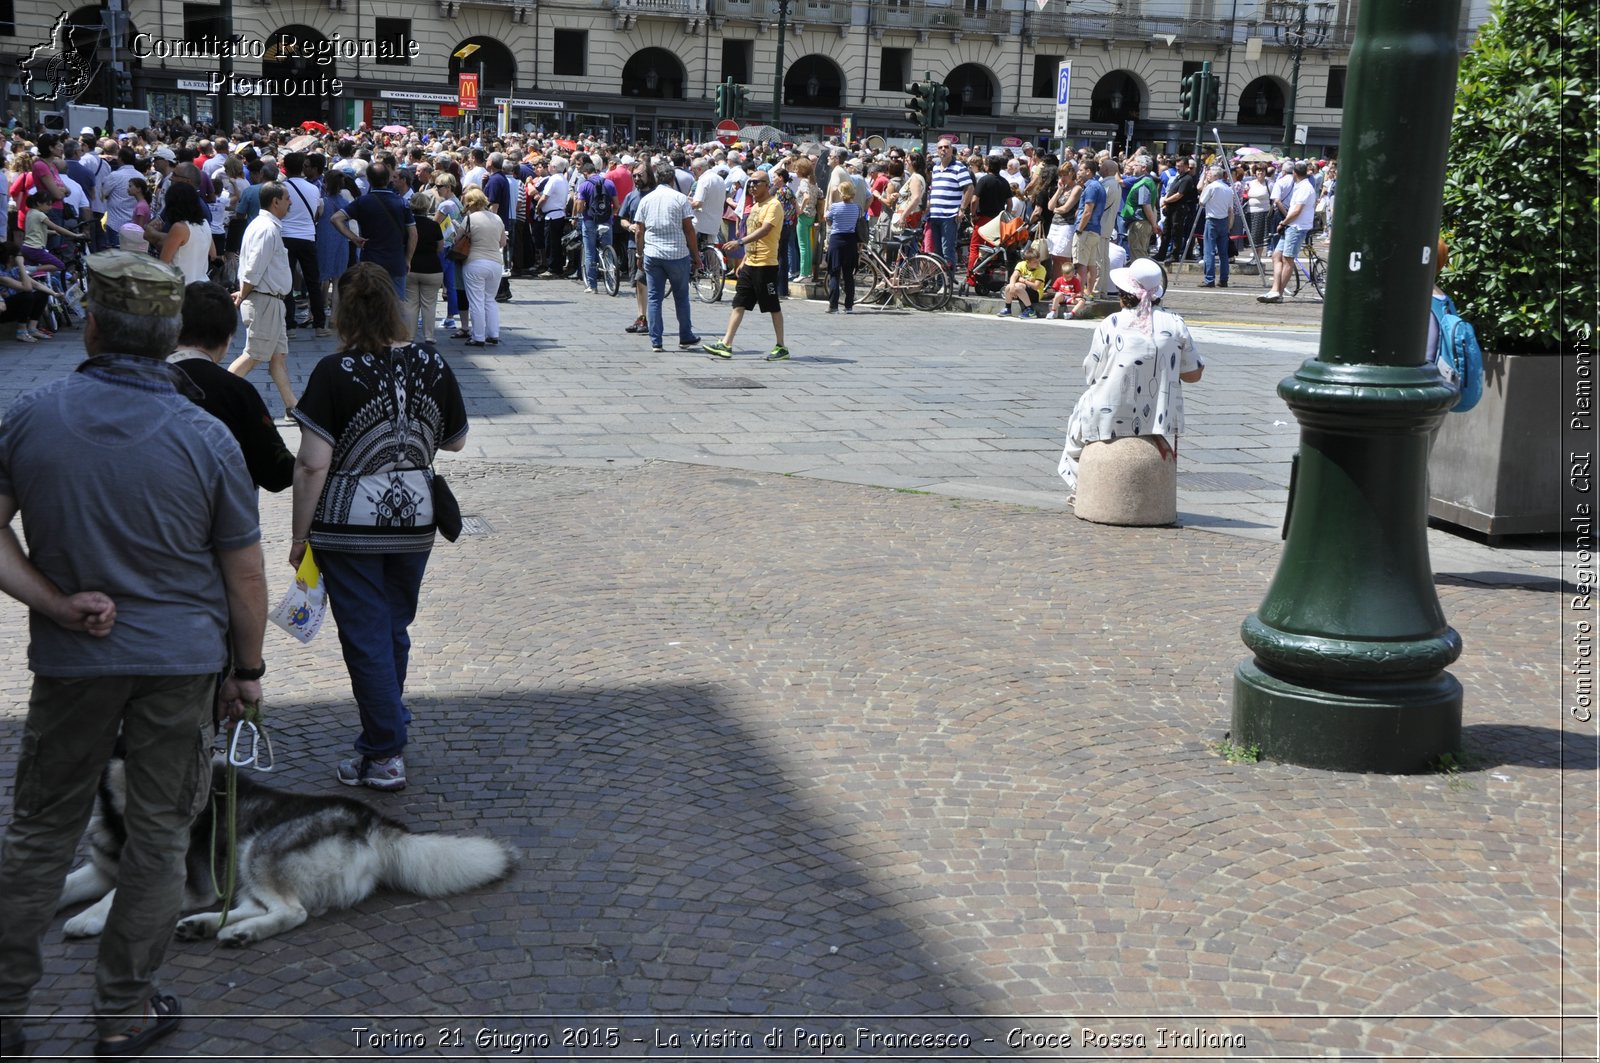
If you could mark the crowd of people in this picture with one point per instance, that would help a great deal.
(454, 219)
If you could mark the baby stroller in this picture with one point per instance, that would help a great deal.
(1003, 240)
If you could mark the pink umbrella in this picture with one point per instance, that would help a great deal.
(395, 129)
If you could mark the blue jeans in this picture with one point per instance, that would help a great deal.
(591, 260)
(451, 299)
(1216, 247)
(945, 231)
(657, 273)
(374, 599)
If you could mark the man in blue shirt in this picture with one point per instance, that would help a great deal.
(1087, 250)
(388, 230)
(597, 200)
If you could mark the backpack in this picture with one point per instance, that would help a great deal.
(600, 201)
(1460, 359)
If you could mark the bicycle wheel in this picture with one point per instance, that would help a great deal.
(876, 287)
(610, 276)
(923, 282)
(1319, 276)
(708, 279)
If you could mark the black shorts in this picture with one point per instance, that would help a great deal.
(757, 287)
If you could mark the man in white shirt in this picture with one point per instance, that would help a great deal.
(114, 190)
(669, 226)
(474, 175)
(218, 157)
(552, 208)
(1299, 216)
(264, 282)
(736, 179)
(1218, 203)
(300, 239)
(709, 198)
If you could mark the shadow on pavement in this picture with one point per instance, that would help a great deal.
(670, 867)
(1491, 745)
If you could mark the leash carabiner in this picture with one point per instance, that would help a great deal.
(249, 743)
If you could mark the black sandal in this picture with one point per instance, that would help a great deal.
(461, 334)
(161, 1017)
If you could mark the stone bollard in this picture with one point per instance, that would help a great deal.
(1127, 481)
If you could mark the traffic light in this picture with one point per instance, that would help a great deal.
(124, 88)
(939, 106)
(1189, 98)
(1213, 90)
(918, 104)
(741, 100)
(722, 100)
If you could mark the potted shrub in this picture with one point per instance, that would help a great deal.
(1520, 222)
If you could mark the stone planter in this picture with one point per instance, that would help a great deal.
(1499, 469)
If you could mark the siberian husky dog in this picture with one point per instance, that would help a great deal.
(298, 855)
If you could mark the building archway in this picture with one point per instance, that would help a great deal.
(814, 81)
(1117, 98)
(1261, 103)
(973, 90)
(494, 64)
(291, 56)
(654, 73)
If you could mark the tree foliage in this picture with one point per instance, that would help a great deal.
(1520, 189)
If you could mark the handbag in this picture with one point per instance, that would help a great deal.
(463, 245)
(446, 510)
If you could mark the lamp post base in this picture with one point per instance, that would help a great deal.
(1388, 727)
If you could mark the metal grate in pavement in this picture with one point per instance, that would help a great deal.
(475, 525)
(1226, 481)
(715, 382)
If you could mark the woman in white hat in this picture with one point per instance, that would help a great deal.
(1134, 366)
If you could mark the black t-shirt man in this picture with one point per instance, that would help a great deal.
(237, 404)
(992, 193)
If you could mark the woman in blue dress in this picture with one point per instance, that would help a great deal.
(333, 250)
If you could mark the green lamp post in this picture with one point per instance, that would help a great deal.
(1350, 642)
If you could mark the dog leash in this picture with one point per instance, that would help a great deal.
(245, 748)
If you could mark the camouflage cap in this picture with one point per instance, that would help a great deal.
(135, 284)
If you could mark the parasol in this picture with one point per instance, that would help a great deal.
(394, 129)
(1255, 155)
(318, 126)
(569, 145)
(302, 142)
(763, 134)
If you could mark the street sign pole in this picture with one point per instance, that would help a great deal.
(1063, 91)
(777, 78)
(1350, 643)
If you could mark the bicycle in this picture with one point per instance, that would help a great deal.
(1314, 270)
(708, 280)
(913, 279)
(610, 272)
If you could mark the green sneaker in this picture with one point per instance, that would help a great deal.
(718, 349)
(778, 354)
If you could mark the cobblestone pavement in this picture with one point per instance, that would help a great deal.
(785, 753)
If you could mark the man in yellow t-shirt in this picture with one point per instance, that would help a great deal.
(758, 278)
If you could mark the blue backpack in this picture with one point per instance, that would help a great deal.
(1460, 357)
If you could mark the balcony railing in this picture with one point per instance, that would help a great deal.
(670, 8)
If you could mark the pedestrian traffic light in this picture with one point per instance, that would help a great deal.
(1213, 91)
(939, 106)
(1189, 98)
(741, 100)
(917, 104)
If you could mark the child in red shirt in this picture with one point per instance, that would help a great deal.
(1068, 290)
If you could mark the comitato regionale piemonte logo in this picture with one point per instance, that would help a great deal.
(56, 70)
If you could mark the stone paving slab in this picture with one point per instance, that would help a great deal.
(790, 754)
